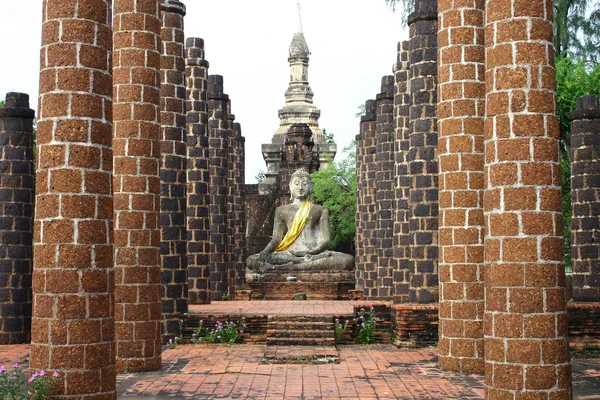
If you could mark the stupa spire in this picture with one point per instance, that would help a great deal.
(300, 18)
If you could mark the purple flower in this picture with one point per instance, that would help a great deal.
(2, 369)
(219, 337)
(193, 335)
(55, 374)
(16, 365)
(32, 378)
(42, 373)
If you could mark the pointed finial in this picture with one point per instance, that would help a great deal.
(300, 18)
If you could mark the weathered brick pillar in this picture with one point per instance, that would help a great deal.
(16, 218)
(461, 112)
(366, 268)
(359, 257)
(173, 258)
(422, 161)
(136, 184)
(218, 186)
(384, 193)
(585, 199)
(73, 322)
(196, 72)
(230, 202)
(239, 206)
(525, 322)
(401, 246)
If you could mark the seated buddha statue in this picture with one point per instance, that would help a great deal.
(301, 236)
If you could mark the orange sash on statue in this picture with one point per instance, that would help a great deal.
(297, 226)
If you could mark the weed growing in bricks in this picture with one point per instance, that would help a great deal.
(365, 325)
(224, 332)
(340, 329)
(39, 387)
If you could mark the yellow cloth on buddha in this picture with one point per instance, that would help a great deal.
(297, 226)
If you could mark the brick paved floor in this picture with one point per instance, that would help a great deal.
(364, 372)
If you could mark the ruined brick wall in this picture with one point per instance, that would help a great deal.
(173, 258)
(585, 199)
(16, 218)
(136, 184)
(461, 112)
(401, 240)
(260, 212)
(239, 206)
(218, 186)
(423, 163)
(366, 268)
(525, 322)
(73, 278)
(384, 194)
(196, 68)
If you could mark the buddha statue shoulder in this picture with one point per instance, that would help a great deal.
(301, 236)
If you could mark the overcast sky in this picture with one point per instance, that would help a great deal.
(353, 44)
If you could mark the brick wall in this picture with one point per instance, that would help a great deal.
(173, 258)
(16, 218)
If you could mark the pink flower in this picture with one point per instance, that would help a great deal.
(16, 365)
(55, 374)
(42, 373)
(2, 369)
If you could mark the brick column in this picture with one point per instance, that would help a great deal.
(230, 203)
(525, 322)
(359, 238)
(585, 199)
(137, 184)
(401, 243)
(422, 162)
(461, 112)
(16, 218)
(73, 277)
(173, 258)
(218, 186)
(366, 268)
(384, 194)
(196, 71)
(239, 206)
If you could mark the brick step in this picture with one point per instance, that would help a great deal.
(300, 341)
(301, 325)
(299, 333)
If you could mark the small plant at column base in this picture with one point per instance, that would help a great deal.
(223, 333)
(365, 323)
(13, 387)
(340, 329)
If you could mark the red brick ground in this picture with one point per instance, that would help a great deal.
(282, 307)
(365, 372)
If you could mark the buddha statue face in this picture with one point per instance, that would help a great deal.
(300, 185)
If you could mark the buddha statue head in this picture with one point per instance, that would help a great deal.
(300, 185)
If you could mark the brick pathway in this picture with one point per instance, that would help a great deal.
(365, 372)
(282, 307)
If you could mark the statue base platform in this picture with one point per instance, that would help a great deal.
(286, 283)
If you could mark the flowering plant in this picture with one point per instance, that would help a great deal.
(340, 329)
(39, 387)
(365, 323)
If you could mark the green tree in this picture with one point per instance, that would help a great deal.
(335, 188)
(260, 176)
(2, 104)
(328, 136)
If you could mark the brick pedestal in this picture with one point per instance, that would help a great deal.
(525, 325)
(16, 218)
(136, 184)
(585, 199)
(384, 194)
(173, 258)
(461, 111)
(73, 279)
(422, 161)
(196, 68)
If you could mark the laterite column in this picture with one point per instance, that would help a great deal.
(196, 72)
(385, 187)
(401, 246)
(461, 112)
(585, 199)
(366, 271)
(239, 206)
(16, 218)
(359, 258)
(73, 323)
(136, 143)
(423, 162)
(230, 202)
(173, 258)
(525, 323)
(218, 186)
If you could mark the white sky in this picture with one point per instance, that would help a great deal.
(353, 44)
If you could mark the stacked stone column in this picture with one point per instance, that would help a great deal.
(384, 195)
(401, 244)
(366, 267)
(359, 257)
(173, 258)
(136, 184)
(73, 279)
(218, 187)
(585, 199)
(239, 206)
(423, 163)
(461, 112)
(230, 203)
(525, 323)
(197, 172)
(16, 218)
